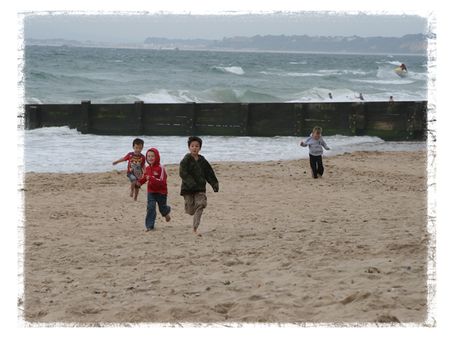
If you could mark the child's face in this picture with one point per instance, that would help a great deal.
(138, 148)
(194, 148)
(151, 157)
(316, 135)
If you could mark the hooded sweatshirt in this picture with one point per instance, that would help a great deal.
(155, 175)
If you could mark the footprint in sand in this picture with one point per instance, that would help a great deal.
(357, 296)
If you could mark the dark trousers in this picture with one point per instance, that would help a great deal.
(316, 165)
(152, 199)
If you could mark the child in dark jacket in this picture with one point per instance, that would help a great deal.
(156, 177)
(195, 171)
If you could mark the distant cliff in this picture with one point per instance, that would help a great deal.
(411, 43)
(408, 44)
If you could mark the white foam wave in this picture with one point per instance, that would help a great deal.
(164, 96)
(236, 70)
(384, 81)
(343, 72)
(417, 75)
(322, 94)
(319, 73)
(304, 74)
(212, 95)
(292, 74)
(41, 146)
(34, 100)
(303, 62)
(392, 62)
(234, 95)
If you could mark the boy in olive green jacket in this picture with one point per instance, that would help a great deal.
(195, 171)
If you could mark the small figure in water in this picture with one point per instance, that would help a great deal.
(330, 95)
(391, 99)
(403, 67)
(361, 96)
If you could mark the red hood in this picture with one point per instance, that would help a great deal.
(157, 158)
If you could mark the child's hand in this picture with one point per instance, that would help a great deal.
(302, 144)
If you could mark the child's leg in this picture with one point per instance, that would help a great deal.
(136, 192)
(151, 212)
(200, 205)
(189, 204)
(132, 179)
(320, 168)
(313, 164)
(164, 209)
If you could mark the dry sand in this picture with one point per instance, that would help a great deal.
(277, 246)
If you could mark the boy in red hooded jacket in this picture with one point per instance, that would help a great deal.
(156, 177)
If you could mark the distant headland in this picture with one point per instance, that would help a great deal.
(407, 44)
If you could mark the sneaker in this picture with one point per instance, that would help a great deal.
(167, 217)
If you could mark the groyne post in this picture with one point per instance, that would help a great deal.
(299, 118)
(245, 118)
(33, 117)
(84, 117)
(357, 119)
(192, 120)
(139, 112)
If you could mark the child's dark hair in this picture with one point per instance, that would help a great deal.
(195, 138)
(138, 141)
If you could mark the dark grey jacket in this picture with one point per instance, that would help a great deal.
(194, 175)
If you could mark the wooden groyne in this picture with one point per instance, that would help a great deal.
(405, 120)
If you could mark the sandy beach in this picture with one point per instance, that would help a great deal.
(277, 246)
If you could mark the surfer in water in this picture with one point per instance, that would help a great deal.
(401, 70)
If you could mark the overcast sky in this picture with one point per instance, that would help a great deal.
(137, 27)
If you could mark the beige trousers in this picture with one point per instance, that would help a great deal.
(194, 205)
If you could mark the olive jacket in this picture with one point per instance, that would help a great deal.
(195, 173)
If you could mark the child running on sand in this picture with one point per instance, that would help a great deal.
(316, 144)
(135, 167)
(156, 177)
(195, 171)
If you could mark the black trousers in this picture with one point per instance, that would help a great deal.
(316, 165)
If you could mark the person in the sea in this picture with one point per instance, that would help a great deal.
(330, 95)
(361, 96)
(391, 99)
(403, 67)
(135, 167)
(316, 143)
(195, 172)
(156, 177)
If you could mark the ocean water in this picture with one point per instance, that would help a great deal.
(73, 74)
(64, 150)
